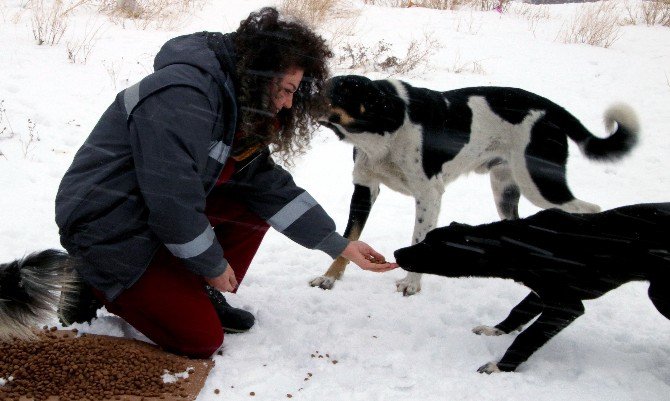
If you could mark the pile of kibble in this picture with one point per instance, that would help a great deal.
(85, 368)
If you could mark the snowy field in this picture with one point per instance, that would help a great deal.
(362, 340)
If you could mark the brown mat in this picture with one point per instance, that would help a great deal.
(61, 365)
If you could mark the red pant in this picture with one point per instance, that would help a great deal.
(168, 304)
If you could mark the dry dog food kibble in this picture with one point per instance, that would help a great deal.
(376, 261)
(88, 367)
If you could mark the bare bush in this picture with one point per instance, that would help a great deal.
(471, 25)
(389, 3)
(656, 12)
(488, 5)
(6, 130)
(533, 13)
(159, 14)
(438, 4)
(333, 18)
(381, 57)
(50, 18)
(30, 142)
(313, 12)
(49, 21)
(434, 4)
(595, 24)
(79, 48)
(462, 67)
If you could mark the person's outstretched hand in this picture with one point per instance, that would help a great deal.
(367, 258)
(225, 282)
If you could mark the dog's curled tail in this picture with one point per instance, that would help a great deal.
(621, 120)
(29, 291)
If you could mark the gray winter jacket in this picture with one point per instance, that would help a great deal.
(142, 177)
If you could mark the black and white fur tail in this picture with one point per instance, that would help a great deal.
(619, 118)
(29, 291)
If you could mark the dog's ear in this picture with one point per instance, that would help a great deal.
(384, 106)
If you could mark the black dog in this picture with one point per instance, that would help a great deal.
(563, 258)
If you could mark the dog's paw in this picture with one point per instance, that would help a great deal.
(487, 331)
(489, 368)
(409, 285)
(323, 282)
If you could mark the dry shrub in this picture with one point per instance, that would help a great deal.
(313, 12)
(488, 5)
(381, 57)
(470, 24)
(656, 12)
(49, 21)
(388, 3)
(158, 14)
(435, 4)
(652, 12)
(79, 48)
(438, 4)
(532, 13)
(333, 19)
(50, 18)
(596, 24)
(461, 67)
(6, 130)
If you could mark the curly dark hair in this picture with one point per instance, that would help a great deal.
(267, 47)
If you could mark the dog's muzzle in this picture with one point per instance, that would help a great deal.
(413, 258)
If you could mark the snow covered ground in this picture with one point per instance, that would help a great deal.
(362, 340)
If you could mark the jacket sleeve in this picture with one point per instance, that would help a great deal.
(271, 193)
(170, 135)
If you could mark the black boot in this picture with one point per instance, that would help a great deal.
(233, 320)
(78, 304)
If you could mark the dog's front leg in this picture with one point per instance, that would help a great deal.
(555, 317)
(427, 212)
(521, 314)
(359, 210)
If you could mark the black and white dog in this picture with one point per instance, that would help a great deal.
(563, 258)
(416, 141)
(29, 291)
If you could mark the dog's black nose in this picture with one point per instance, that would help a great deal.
(412, 258)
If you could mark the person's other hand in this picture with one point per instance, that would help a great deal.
(225, 282)
(367, 258)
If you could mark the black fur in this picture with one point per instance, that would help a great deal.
(359, 209)
(563, 258)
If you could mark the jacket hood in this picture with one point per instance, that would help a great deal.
(193, 49)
